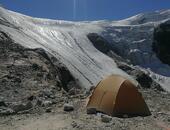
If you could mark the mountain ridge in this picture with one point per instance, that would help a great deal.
(68, 42)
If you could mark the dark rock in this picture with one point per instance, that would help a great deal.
(39, 102)
(74, 124)
(91, 111)
(17, 79)
(2, 103)
(157, 86)
(161, 44)
(35, 66)
(6, 111)
(99, 42)
(17, 107)
(125, 67)
(66, 78)
(168, 119)
(55, 101)
(48, 110)
(68, 107)
(106, 118)
(31, 98)
(144, 80)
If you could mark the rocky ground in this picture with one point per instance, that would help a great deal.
(29, 77)
(58, 119)
(37, 92)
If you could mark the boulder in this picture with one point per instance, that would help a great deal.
(91, 111)
(106, 118)
(17, 107)
(144, 80)
(68, 107)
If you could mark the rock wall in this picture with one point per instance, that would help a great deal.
(161, 42)
(25, 71)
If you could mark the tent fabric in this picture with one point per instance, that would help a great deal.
(117, 96)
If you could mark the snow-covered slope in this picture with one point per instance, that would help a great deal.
(144, 18)
(65, 40)
(68, 42)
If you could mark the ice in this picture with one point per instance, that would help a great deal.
(68, 42)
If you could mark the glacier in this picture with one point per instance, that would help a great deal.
(68, 42)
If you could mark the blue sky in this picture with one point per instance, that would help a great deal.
(78, 10)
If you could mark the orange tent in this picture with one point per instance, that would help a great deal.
(117, 96)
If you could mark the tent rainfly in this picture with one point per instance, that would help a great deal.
(117, 96)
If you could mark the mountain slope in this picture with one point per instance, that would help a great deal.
(67, 41)
(64, 41)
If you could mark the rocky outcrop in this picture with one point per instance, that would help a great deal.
(104, 46)
(26, 72)
(99, 42)
(161, 44)
(106, 118)
(144, 80)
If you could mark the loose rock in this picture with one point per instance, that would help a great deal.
(144, 80)
(31, 98)
(46, 103)
(68, 107)
(106, 118)
(91, 111)
(22, 106)
(2, 103)
(49, 109)
(74, 124)
(47, 92)
(6, 111)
